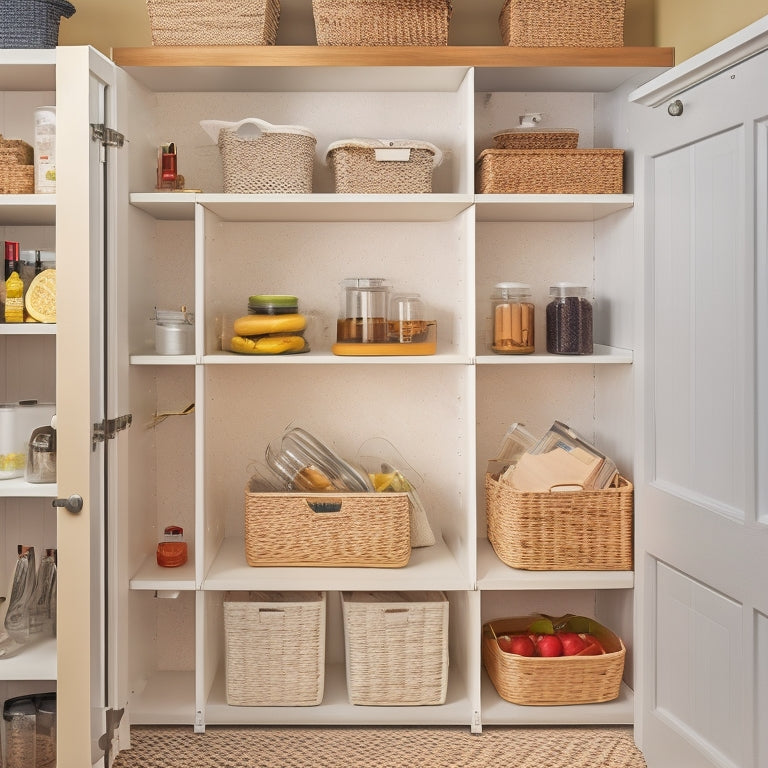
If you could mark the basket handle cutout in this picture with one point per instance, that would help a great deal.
(396, 615)
(271, 614)
(325, 507)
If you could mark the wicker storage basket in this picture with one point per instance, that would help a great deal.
(258, 157)
(320, 529)
(32, 23)
(550, 171)
(16, 152)
(562, 530)
(274, 648)
(381, 166)
(537, 681)
(566, 23)
(516, 138)
(396, 646)
(213, 22)
(382, 22)
(17, 170)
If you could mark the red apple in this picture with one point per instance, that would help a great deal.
(549, 645)
(592, 647)
(522, 645)
(505, 643)
(572, 643)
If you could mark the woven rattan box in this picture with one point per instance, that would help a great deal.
(319, 529)
(274, 648)
(553, 681)
(382, 22)
(17, 170)
(550, 171)
(396, 647)
(562, 530)
(563, 23)
(213, 22)
(32, 23)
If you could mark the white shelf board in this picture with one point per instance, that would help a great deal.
(152, 359)
(335, 708)
(27, 329)
(602, 355)
(35, 662)
(429, 567)
(497, 711)
(17, 487)
(493, 574)
(167, 698)
(326, 358)
(166, 206)
(28, 69)
(154, 577)
(549, 207)
(27, 210)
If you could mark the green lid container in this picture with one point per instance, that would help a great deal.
(272, 304)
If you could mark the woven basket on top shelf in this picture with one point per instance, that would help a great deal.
(382, 22)
(565, 23)
(550, 171)
(213, 22)
(321, 529)
(371, 166)
(274, 648)
(561, 530)
(553, 681)
(32, 23)
(517, 138)
(396, 647)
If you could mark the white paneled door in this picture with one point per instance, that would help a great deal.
(702, 532)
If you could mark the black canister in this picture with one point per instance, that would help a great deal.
(569, 320)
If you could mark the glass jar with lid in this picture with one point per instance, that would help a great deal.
(513, 312)
(363, 313)
(569, 320)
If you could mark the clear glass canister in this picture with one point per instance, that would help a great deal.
(569, 320)
(363, 313)
(512, 319)
(407, 319)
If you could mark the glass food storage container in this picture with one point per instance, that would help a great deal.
(513, 312)
(363, 313)
(569, 320)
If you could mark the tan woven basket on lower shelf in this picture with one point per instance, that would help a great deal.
(320, 529)
(550, 171)
(274, 648)
(561, 530)
(396, 647)
(365, 166)
(382, 22)
(566, 23)
(213, 22)
(537, 681)
(17, 179)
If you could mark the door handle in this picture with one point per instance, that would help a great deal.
(72, 504)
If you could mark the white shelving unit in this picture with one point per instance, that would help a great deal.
(27, 359)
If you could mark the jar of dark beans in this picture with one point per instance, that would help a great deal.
(569, 320)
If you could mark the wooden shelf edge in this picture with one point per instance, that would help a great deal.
(409, 56)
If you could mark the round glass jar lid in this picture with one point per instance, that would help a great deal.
(559, 290)
(273, 304)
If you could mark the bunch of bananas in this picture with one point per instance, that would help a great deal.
(269, 334)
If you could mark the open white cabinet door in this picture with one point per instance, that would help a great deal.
(701, 492)
(85, 413)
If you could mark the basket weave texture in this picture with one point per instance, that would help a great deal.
(32, 23)
(274, 648)
(348, 529)
(566, 23)
(382, 22)
(272, 162)
(356, 170)
(550, 171)
(562, 530)
(396, 647)
(536, 140)
(17, 170)
(537, 681)
(213, 22)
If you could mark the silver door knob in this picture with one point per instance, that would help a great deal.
(675, 108)
(72, 504)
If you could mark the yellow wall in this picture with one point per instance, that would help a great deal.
(690, 26)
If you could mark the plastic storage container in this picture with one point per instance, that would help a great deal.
(17, 423)
(569, 320)
(45, 150)
(513, 311)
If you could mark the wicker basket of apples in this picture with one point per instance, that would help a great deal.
(541, 660)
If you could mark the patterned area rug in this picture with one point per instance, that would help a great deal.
(347, 747)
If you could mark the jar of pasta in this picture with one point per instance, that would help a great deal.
(512, 319)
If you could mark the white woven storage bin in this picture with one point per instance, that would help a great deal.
(396, 646)
(383, 166)
(258, 157)
(274, 648)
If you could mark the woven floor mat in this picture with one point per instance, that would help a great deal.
(348, 747)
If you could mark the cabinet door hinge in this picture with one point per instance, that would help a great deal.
(113, 718)
(108, 137)
(107, 429)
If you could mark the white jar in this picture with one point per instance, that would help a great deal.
(174, 332)
(45, 150)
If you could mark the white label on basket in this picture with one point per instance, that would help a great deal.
(390, 154)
